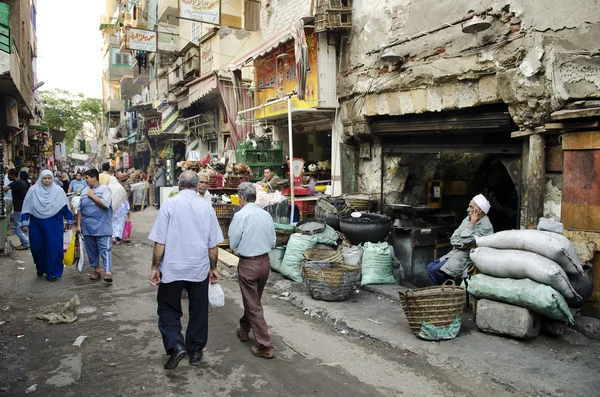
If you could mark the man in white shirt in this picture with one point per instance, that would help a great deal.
(202, 188)
(186, 234)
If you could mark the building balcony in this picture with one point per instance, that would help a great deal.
(13, 79)
(114, 106)
(140, 77)
(168, 10)
(116, 72)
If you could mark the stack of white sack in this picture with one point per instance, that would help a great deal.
(543, 257)
(264, 199)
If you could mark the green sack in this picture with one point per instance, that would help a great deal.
(294, 256)
(538, 297)
(431, 332)
(275, 257)
(377, 264)
(329, 236)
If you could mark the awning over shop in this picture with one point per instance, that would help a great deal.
(140, 107)
(58, 135)
(199, 88)
(265, 47)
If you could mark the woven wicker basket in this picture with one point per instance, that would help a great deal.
(330, 283)
(359, 204)
(317, 254)
(438, 305)
(282, 236)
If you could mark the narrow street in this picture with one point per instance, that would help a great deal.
(316, 355)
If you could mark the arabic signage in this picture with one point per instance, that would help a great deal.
(140, 40)
(141, 146)
(275, 77)
(208, 11)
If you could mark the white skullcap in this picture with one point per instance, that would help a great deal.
(482, 203)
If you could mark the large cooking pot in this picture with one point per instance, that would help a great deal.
(369, 227)
(328, 212)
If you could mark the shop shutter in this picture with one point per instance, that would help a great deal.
(5, 38)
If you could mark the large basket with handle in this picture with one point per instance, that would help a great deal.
(437, 306)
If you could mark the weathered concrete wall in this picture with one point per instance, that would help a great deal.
(276, 15)
(536, 55)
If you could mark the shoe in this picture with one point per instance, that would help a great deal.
(177, 354)
(196, 357)
(263, 351)
(52, 279)
(21, 247)
(242, 335)
(40, 274)
(184, 293)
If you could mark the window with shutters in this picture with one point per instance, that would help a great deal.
(196, 32)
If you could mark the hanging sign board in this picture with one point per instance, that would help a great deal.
(141, 146)
(140, 40)
(275, 76)
(208, 11)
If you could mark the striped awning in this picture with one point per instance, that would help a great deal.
(198, 88)
(170, 114)
(266, 46)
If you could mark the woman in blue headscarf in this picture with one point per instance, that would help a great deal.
(44, 209)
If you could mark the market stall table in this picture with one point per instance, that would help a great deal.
(137, 193)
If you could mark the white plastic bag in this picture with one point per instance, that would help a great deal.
(216, 297)
(81, 260)
(67, 238)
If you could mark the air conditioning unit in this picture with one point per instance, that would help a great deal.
(176, 75)
(192, 63)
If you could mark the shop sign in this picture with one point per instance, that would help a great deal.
(275, 77)
(141, 40)
(208, 11)
(12, 112)
(141, 147)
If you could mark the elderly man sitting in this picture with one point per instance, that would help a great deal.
(455, 264)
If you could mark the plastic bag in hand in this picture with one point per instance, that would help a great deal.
(216, 297)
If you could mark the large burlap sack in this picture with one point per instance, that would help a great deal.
(582, 284)
(522, 264)
(525, 293)
(275, 257)
(294, 255)
(377, 264)
(550, 245)
(550, 225)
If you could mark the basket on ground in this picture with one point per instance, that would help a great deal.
(317, 254)
(331, 284)
(438, 306)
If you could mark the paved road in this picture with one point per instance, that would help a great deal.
(313, 358)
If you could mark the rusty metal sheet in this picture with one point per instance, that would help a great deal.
(581, 140)
(581, 190)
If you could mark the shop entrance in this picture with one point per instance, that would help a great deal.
(433, 165)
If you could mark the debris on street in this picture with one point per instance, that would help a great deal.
(79, 340)
(60, 312)
(31, 388)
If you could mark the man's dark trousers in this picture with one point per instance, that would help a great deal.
(169, 315)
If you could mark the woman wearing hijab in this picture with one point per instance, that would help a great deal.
(44, 209)
(94, 221)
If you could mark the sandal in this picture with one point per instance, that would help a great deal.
(95, 276)
(108, 278)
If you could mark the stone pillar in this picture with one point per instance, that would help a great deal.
(533, 188)
(336, 137)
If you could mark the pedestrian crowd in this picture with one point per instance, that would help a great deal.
(42, 208)
(186, 234)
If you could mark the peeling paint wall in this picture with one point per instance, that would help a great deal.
(553, 197)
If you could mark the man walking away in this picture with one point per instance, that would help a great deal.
(253, 234)
(18, 188)
(186, 234)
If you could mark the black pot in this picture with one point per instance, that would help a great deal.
(329, 217)
(369, 227)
